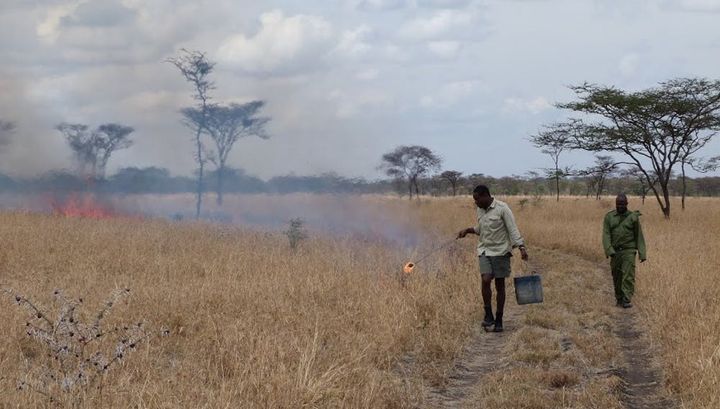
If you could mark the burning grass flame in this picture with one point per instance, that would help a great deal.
(410, 266)
(82, 205)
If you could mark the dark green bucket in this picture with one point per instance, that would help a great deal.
(528, 289)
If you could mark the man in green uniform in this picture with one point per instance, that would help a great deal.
(622, 240)
(499, 235)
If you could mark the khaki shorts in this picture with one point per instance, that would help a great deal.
(496, 266)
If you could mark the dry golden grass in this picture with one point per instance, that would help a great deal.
(253, 323)
(678, 294)
(256, 325)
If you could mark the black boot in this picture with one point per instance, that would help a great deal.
(489, 320)
(498, 323)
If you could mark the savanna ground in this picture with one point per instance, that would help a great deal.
(334, 324)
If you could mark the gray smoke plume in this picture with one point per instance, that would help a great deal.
(373, 217)
(32, 146)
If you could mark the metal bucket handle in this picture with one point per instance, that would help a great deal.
(526, 266)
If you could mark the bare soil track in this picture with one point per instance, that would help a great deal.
(642, 377)
(481, 356)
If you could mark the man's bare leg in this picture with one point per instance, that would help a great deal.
(487, 300)
(500, 289)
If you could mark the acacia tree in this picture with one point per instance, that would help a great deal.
(113, 137)
(452, 176)
(604, 168)
(696, 140)
(553, 141)
(226, 125)
(651, 128)
(196, 69)
(635, 174)
(590, 184)
(411, 163)
(705, 165)
(93, 148)
(81, 142)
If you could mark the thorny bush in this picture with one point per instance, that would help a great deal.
(78, 350)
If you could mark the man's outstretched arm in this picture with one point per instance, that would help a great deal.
(470, 230)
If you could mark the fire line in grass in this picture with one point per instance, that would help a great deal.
(84, 205)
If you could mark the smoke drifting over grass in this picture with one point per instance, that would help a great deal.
(372, 217)
(375, 218)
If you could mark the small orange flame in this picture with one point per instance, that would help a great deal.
(77, 205)
(408, 268)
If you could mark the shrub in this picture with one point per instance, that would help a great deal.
(78, 351)
(296, 232)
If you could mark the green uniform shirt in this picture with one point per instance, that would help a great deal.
(623, 232)
(497, 230)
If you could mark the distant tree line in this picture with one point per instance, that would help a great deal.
(644, 143)
(133, 180)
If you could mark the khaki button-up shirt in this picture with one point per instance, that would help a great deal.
(497, 230)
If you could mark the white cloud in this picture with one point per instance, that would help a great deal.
(628, 64)
(451, 94)
(100, 13)
(104, 32)
(349, 105)
(445, 49)
(368, 75)
(696, 5)
(396, 53)
(354, 43)
(380, 5)
(534, 106)
(438, 26)
(49, 28)
(444, 3)
(281, 44)
(385, 5)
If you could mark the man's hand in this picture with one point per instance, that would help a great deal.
(465, 232)
(524, 253)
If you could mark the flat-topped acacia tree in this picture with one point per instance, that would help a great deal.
(411, 163)
(652, 129)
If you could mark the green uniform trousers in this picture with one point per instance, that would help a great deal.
(622, 264)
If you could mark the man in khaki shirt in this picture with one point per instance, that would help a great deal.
(499, 235)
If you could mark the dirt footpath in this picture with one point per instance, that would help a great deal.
(576, 350)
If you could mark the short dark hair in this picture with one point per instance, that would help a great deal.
(621, 196)
(481, 190)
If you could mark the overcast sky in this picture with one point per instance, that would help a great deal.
(345, 81)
